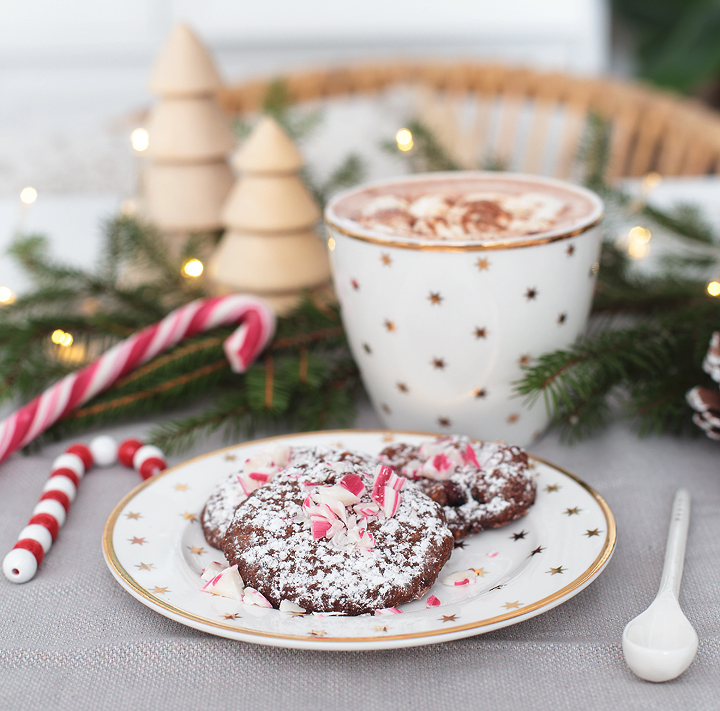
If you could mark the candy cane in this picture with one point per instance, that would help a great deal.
(241, 348)
(48, 517)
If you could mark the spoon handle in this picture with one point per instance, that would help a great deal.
(675, 548)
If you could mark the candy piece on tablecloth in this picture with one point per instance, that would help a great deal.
(82, 451)
(126, 451)
(104, 450)
(19, 565)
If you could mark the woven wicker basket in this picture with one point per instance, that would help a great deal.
(482, 112)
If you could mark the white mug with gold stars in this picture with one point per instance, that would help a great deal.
(450, 282)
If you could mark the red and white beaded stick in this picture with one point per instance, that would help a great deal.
(35, 540)
(241, 348)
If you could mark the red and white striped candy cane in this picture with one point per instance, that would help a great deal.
(241, 348)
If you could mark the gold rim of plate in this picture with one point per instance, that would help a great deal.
(112, 558)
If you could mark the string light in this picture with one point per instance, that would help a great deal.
(60, 338)
(140, 139)
(638, 239)
(192, 268)
(28, 195)
(331, 243)
(713, 288)
(404, 139)
(650, 182)
(128, 207)
(7, 296)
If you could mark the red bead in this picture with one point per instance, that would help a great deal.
(151, 466)
(82, 451)
(48, 521)
(126, 451)
(33, 546)
(69, 473)
(59, 496)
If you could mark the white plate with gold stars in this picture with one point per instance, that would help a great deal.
(154, 546)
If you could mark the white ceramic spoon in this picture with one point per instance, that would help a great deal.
(660, 643)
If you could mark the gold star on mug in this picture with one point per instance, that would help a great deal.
(561, 319)
(556, 571)
(435, 298)
(189, 516)
(480, 332)
(438, 363)
(355, 284)
(524, 359)
(386, 409)
(479, 392)
(390, 326)
(513, 418)
(402, 387)
(519, 536)
(570, 250)
(181, 487)
(531, 294)
(482, 264)
(230, 457)
(386, 259)
(444, 421)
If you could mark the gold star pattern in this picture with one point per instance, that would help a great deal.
(355, 284)
(230, 457)
(459, 544)
(159, 591)
(519, 536)
(298, 614)
(317, 633)
(513, 605)
(444, 421)
(561, 319)
(483, 264)
(189, 516)
(367, 348)
(181, 487)
(134, 516)
(435, 298)
(386, 259)
(389, 325)
(135, 540)
(145, 566)
(524, 359)
(480, 332)
(573, 511)
(195, 550)
(386, 409)
(570, 250)
(539, 549)
(590, 534)
(556, 571)
(552, 487)
(448, 618)
(381, 628)
(438, 363)
(231, 616)
(479, 572)
(513, 418)
(402, 387)
(479, 392)
(531, 294)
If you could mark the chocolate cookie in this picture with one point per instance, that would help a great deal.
(479, 484)
(256, 471)
(330, 535)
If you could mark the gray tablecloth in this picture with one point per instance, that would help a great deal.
(72, 638)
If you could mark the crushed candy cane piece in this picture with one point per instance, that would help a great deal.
(288, 606)
(460, 577)
(432, 601)
(469, 456)
(339, 493)
(212, 570)
(253, 597)
(396, 482)
(382, 474)
(228, 583)
(353, 483)
(391, 501)
(388, 611)
(492, 555)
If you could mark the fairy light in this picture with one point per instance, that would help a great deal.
(192, 268)
(404, 139)
(140, 139)
(638, 239)
(650, 182)
(331, 243)
(28, 195)
(61, 338)
(7, 296)
(128, 207)
(713, 288)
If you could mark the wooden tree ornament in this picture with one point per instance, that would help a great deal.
(188, 178)
(271, 247)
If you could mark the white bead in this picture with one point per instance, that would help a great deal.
(19, 565)
(53, 508)
(104, 450)
(61, 483)
(69, 461)
(37, 533)
(145, 452)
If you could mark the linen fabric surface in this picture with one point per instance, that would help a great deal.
(72, 638)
